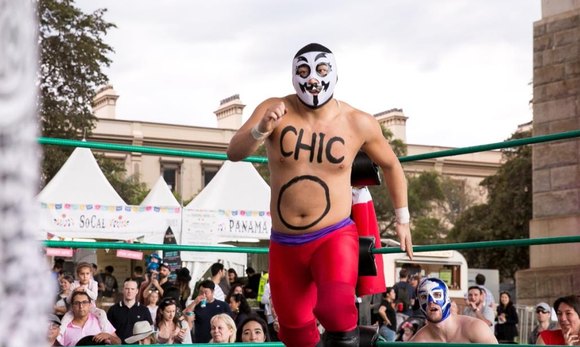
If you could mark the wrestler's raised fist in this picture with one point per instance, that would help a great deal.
(272, 117)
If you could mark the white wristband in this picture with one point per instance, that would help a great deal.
(402, 215)
(257, 134)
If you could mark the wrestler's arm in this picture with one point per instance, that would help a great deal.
(261, 124)
(421, 336)
(479, 332)
(379, 150)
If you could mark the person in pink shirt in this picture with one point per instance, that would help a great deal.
(85, 323)
(84, 283)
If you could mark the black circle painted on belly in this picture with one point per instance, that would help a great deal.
(294, 181)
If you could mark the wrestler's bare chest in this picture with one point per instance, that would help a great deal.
(324, 148)
(310, 165)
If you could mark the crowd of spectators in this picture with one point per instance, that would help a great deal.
(151, 309)
(398, 318)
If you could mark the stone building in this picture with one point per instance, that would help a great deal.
(188, 176)
(555, 269)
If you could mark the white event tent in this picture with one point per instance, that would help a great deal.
(234, 206)
(197, 262)
(79, 202)
(160, 199)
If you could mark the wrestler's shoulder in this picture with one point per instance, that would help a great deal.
(471, 322)
(475, 330)
(352, 111)
(357, 117)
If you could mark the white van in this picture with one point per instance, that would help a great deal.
(450, 266)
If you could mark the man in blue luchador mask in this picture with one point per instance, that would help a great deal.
(443, 325)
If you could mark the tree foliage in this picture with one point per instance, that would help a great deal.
(128, 187)
(428, 230)
(425, 195)
(505, 216)
(72, 56)
(458, 197)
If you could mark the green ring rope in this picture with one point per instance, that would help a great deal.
(496, 145)
(263, 250)
(142, 149)
(206, 155)
(261, 160)
(426, 248)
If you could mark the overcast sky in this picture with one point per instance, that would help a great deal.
(460, 69)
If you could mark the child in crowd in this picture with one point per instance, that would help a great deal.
(86, 283)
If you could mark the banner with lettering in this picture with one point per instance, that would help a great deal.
(144, 223)
(208, 226)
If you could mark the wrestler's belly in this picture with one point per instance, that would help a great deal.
(308, 204)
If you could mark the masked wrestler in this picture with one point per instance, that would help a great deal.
(442, 325)
(311, 140)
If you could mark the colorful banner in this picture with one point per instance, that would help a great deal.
(202, 226)
(145, 223)
(148, 224)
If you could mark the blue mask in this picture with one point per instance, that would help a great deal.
(434, 290)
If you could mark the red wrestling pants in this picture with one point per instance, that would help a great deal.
(315, 280)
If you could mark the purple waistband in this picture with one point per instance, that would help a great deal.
(290, 240)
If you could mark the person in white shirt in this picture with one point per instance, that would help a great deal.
(476, 307)
(489, 298)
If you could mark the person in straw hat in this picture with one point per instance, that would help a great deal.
(143, 333)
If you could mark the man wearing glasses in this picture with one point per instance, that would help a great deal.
(543, 316)
(85, 323)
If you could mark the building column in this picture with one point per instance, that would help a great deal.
(555, 269)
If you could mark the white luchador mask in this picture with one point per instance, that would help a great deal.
(314, 75)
